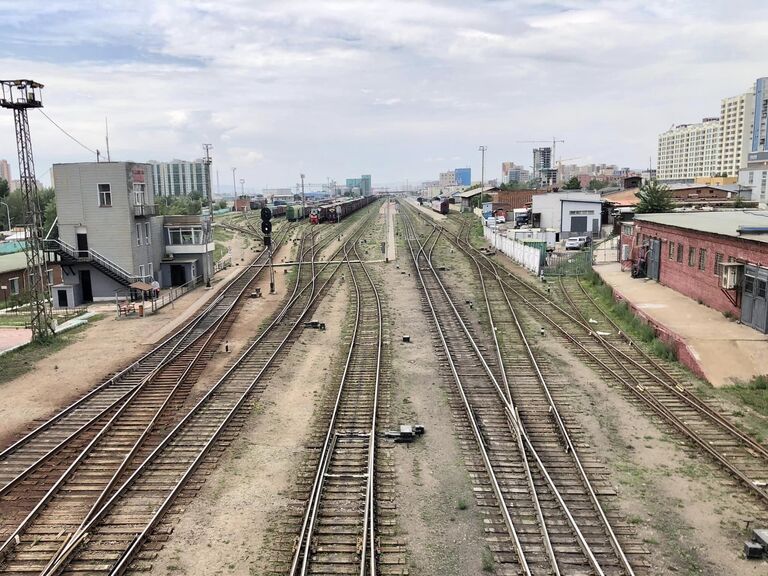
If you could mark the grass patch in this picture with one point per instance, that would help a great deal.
(621, 313)
(753, 393)
(487, 560)
(20, 361)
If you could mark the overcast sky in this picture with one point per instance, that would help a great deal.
(398, 89)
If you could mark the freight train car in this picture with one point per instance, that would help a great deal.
(440, 205)
(294, 212)
(339, 209)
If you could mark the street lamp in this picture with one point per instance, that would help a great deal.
(234, 183)
(242, 186)
(8, 213)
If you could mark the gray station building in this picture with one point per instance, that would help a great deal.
(110, 235)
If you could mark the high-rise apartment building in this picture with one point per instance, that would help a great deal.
(180, 178)
(511, 172)
(736, 115)
(760, 117)
(689, 151)
(5, 171)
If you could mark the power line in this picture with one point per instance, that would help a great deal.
(67, 133)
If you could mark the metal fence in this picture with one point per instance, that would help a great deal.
(171, 294)
(568, 264)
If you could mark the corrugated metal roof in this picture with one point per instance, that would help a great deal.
(723, 223)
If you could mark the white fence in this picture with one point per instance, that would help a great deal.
(527, 256)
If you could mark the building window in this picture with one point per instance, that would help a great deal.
(151, 268)
(147, 236)
(749, 284)
(679, 252)
(691, 255)
(139, 194)
(184, 236)
(702, 259)
(49, 274)
(671, 249)
(105, 195)
(760, 293)
(138, 234)
(718, 259)
(141, 270)
(13, 284)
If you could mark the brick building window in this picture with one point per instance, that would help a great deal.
(691, 255)
(671, 249)
(718, 259)
(702, 259)
(679, 252)
(760, 289)
(749, 284)
(13, 284)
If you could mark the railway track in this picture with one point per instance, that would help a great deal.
(619, 360)
(109, 536)
(549, 510)
(30, 467)
(338, 534)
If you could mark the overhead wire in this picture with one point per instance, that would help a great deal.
(65, 132)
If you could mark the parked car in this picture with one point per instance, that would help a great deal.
(577, 242)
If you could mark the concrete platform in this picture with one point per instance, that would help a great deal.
(720, 350)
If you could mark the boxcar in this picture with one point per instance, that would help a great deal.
(440, 205)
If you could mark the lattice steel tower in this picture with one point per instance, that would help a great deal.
(19, 96)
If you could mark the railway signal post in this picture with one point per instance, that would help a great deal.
(266, 229)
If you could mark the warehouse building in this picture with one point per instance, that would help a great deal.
(570, 213)
(717, 258)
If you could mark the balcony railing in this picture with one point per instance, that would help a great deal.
(145, 210)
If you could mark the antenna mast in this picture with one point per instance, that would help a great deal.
(106, 125)
(19, 96)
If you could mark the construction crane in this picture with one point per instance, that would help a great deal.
(554, 143)
(19, 96)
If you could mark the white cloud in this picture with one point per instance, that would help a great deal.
(399, 89)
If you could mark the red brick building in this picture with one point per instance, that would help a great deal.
(14, 280)
(686, 252)
(242, 204)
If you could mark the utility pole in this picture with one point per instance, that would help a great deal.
(302, 196)
(482, 170)
(234, 183)
(19, 96)
(242, 186)
(208, 264)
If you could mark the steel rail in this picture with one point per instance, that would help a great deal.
(520, 429)
(329, 444)
(554, 409)
(638, 390)
(518, 547)
(176, 351)
(675, 387)
(82, 533)
(211, 332)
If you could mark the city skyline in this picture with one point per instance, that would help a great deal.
(395, 90)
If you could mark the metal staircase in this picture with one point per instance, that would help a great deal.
(68, 255)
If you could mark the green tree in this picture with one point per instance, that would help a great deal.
(572, 184)
(596, 184)
(5, 189)
(654, 197)
(222, 204)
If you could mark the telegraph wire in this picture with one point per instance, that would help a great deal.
(67, 133)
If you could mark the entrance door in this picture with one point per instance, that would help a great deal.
(754, 300)
(85, 284)
(62, 298)
(82, 245)
(178, 275)
(578, 224)
(654, 258)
